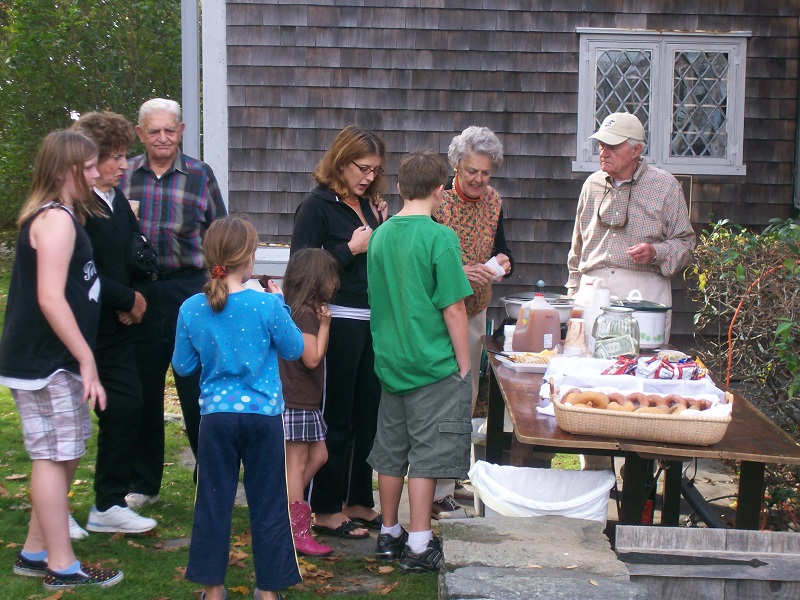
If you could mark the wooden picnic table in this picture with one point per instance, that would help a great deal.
(751, 438)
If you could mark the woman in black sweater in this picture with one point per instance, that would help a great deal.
(339, 215)
(120, 306)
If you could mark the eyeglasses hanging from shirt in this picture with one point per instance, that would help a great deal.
(613, 208)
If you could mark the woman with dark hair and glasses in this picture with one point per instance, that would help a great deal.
(632, 228)
(339, 215)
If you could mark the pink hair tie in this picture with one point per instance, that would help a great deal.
(218, 272)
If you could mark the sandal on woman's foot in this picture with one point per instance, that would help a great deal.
(371, 523)
(345, 530)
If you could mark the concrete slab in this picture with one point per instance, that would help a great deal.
(550, 542)
(491, 583)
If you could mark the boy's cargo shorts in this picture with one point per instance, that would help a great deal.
(426, 432)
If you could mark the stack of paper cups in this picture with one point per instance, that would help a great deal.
(575, 342)
(508, 333)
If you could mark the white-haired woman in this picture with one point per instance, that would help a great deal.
(474, 210)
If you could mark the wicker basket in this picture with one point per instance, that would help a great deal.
(695, 430)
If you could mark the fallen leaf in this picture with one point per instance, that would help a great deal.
(237, 555)
(13, 545)
(4, 491)
(571, 567)
(593, 582)
(242, 589)
(16, 476)
(80, 482)
(107, 563)
(133, 544)
(369, 559)
(534, 567)
(168, 464)
(385, 590)
(332, 559)
(55, 596)
(385, 570)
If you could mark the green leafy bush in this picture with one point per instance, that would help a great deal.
(748, 321)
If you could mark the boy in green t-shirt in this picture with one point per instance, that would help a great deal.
(417, 288)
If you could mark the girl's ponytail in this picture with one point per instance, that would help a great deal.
(229, 243)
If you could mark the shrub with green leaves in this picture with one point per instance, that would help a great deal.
(748, 286)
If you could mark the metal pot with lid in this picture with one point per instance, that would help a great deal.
(563, 304)
(652, 319)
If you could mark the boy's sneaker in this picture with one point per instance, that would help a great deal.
(429, 561)
(118, 519)
(76, 532)
(390, 547)
(85, 576)
(448, 508)
(135, 500)
(29, 568)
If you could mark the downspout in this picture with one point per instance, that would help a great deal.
(796, 183)
(190, 77)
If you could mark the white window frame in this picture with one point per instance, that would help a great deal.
(662, 46)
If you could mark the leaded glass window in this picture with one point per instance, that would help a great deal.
(700, 104)
(687, 89)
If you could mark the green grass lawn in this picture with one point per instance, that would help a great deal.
(154, 562)
(152, 569)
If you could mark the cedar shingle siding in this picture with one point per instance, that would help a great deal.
(420, 71)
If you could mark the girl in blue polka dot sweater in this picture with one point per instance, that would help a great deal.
(234, 335)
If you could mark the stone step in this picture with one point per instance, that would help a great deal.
(546, 558)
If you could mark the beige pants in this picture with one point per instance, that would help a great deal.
(653, 287)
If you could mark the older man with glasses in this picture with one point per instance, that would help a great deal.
(632, 228)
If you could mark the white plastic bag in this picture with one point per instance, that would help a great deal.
(526, 492)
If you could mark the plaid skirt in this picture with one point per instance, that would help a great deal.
(303, 425)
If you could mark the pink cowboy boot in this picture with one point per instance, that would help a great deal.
(304, 542)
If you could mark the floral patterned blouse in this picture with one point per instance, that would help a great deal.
(475, 223)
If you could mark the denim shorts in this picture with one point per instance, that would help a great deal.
(56, 422)
(425, 432)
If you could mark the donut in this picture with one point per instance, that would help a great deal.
(656, 400)
(618, 398)
(591, 399)
(624, 407)
(649, 410)
(570, 396)
(675, 400)
(638, 398)
(698, 404)
(677, 408)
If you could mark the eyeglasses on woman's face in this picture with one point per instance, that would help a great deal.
(366, 169)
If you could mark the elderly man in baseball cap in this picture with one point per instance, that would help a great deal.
(632, 228)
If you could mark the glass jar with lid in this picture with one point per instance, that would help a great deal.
(616, 333)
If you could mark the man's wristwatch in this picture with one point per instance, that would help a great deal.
(655, 255)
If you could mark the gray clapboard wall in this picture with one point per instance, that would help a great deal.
(420, 71)
(718, 564)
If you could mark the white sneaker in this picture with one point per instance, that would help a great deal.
(76, 532)
(134, 500)
(118, 519)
